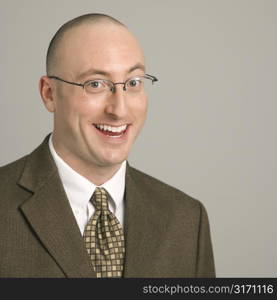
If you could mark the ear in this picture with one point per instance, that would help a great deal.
(46, 93)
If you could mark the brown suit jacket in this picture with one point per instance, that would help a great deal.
(167, 232)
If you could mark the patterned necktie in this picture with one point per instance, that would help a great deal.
(104, 239)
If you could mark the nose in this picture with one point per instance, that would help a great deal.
(116, 103)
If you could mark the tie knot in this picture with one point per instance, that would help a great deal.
(100, 199)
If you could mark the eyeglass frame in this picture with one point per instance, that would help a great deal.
(113, 88)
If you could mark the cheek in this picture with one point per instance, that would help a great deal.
(141, 108)
(65, 111)
(74, 107)
(62, 103)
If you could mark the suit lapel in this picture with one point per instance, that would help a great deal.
(145, 226)
(50, 215)
(48, 212)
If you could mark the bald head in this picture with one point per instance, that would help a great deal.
(53, 59)
(93, 51)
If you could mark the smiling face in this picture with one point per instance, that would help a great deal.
(95, 130)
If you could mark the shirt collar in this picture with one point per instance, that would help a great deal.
(79, 189)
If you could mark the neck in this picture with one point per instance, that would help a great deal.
(96, 174)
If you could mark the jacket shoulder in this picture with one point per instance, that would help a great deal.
(11, 194)
(13, 170)
(164, 192)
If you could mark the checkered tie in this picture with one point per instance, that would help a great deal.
(104, 239)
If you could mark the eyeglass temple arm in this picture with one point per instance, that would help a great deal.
(153, 78)
(70, 82)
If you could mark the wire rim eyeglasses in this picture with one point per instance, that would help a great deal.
(134, 84)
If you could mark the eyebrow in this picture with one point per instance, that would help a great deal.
(93, 71)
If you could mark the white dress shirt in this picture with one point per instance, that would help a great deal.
(79, 190)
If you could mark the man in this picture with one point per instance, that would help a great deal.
(74, 207)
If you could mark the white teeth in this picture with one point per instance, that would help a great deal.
(111, 128)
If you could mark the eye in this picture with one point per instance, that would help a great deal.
(95, 84)
(134, 82)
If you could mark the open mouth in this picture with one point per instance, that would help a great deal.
(112, 131)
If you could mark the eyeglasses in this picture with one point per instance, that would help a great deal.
(134, 85)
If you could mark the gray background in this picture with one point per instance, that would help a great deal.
(211, 128)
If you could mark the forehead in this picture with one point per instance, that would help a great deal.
(108, 47)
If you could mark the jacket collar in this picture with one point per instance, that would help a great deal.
(48, 212)
(50, 215)
(146, 222)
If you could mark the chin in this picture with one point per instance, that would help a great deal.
(113, 160)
